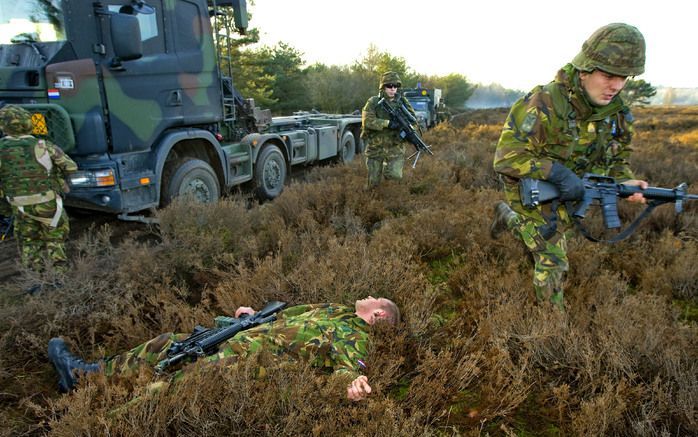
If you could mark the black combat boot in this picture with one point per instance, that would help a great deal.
(66, 364)
(503, 215)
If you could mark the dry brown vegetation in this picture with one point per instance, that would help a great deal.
(476, 355)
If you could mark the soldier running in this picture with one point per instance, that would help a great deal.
(576, 124)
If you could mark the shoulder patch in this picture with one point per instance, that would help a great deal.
(529, 121)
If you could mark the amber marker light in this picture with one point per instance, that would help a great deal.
(144, 181)
(105, 178)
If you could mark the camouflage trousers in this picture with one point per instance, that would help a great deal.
(38, 242)
(153, 351)
(549, 257)
(384, 161)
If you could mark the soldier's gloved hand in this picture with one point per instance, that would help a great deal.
(569, 184)
(392, 124)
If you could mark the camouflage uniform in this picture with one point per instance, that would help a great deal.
(385, 150)
(330, 335)
(557, 123)
(32, 173)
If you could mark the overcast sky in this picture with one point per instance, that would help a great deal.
(518, 44)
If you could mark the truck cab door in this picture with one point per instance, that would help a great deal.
(142, 95)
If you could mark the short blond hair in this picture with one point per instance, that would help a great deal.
(392, 312)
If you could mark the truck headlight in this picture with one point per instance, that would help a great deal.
(92, 178)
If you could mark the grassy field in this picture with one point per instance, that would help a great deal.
(476, 355)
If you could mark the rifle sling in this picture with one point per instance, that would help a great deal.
(622, 235)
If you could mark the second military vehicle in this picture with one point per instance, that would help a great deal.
(425, 102)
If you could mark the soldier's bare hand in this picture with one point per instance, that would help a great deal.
(358, 389)
(637, 197)
(244, 310)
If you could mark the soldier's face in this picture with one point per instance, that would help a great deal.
(390, 89)
(370, 303)
(601, 87)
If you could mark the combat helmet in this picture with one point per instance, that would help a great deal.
(15, 120)
(616, 48)
(390, 77)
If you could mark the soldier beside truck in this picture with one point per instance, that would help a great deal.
(141, 99)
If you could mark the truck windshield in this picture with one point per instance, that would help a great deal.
(28, 21)
(419, 105)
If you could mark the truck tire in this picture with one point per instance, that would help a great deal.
(270, 172)
(347, 147)
(191, 176)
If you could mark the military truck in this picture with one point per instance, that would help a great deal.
(425, 102)
(140, 95)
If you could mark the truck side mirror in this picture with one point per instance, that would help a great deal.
(240, 15)
(126, 38)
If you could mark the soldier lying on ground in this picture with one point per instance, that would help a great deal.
(329, 335)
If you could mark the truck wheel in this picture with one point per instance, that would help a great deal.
(347, 147)
(270, 172)
(192, 177)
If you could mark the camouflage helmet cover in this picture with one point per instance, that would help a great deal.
(616, 48)
(15, 120)
(390, 77)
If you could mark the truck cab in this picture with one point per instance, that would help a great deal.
(137, 93)
(425, 102)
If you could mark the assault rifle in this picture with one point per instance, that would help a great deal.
(405, 120)
(205, 341)
(603, 190)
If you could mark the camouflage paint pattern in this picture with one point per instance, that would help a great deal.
(389, 77)
(615, 48)
(550, 263)
(22, 175)
(385, 150)
(328, 335)
(15, 121)
(39, 244)
(132, 116)
(552, 123)
(120, 112)
(20, 172)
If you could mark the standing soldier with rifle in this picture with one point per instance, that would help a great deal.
(32, 180)
(385, 148)
(574, 125)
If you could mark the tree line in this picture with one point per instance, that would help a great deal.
(279, 79)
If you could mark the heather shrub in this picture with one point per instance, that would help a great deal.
(475, 355)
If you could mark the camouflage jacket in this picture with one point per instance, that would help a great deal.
(31, 166)
(330, 335)
(556, 122)
(374, 121)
